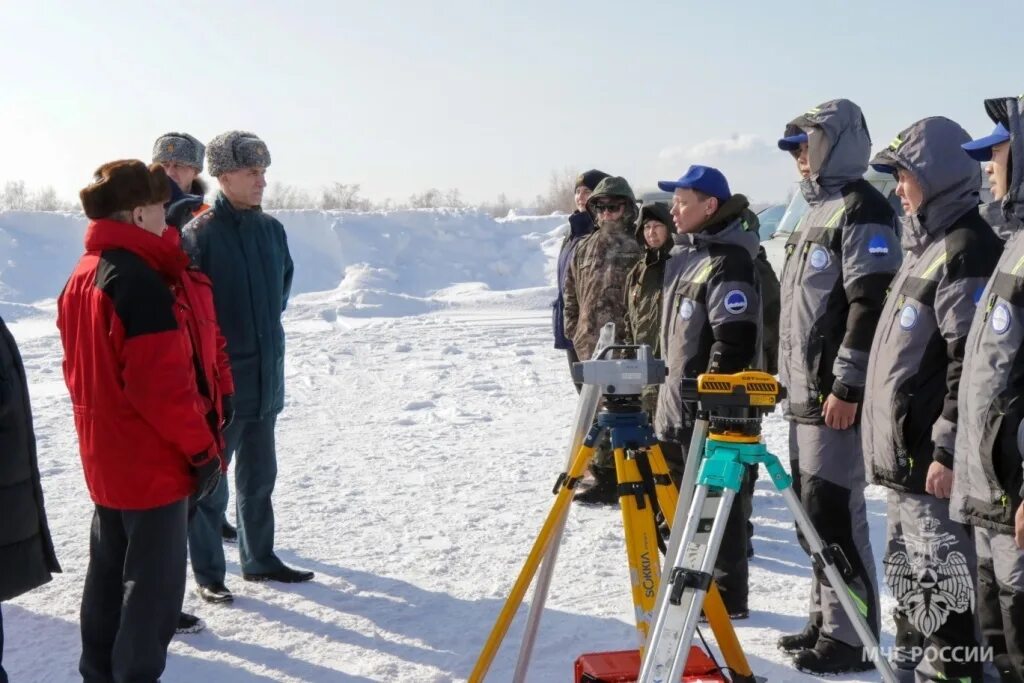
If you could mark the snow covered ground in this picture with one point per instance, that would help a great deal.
(425, 424)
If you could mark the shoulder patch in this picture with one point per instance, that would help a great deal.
(878, 246)
(735, 302)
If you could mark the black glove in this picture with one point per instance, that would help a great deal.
(227, 409)
(207, 476)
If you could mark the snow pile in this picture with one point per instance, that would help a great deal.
(409, 262)
(37, 252)
(370, 264)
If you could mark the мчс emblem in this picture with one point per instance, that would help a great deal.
(927, 588)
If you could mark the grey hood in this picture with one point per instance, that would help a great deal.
(736, 232)
(951, 181)
(838, 141)
(1009, 111)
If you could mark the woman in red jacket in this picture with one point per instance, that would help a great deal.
(147, 393)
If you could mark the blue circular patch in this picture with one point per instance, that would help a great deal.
(908, 317)
(686, 309)
(1001, 319)
(820, 258)
(878, 246)
(735, 302)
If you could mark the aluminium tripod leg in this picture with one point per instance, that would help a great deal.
(586, 409)
(565, 486)
(822, 557)
(693, 459)
(714, 608)
(689, 582)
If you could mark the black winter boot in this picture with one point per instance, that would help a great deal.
(805, 640)
(604, 490)
(832, 657)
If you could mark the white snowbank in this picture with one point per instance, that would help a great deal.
(368, 264)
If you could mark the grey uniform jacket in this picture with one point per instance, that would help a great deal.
(839, 262)
(987, 478)
(710, 304)
(949, 252)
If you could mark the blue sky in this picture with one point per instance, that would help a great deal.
(486, 97)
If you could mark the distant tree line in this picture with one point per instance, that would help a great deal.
(15, 196)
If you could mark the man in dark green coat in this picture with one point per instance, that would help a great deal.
(27, 559)
(245, 253)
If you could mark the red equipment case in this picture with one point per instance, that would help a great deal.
(624, 667)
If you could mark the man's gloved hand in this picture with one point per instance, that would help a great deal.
(207, 476)
(227, 409)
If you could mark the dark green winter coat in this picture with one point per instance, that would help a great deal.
(245, 254)
(643, 291)
(27, 559)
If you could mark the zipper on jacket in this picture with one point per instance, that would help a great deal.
(897, 311)
(991, 304)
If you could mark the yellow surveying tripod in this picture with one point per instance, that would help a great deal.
(647, 498)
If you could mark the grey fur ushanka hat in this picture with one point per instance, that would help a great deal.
(179, 147)
(234, 150)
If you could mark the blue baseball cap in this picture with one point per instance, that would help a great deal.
(792, 143)
(703, 178)
(981, 149)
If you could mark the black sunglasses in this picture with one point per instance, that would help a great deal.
(609, 208)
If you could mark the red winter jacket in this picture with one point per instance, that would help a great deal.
(127, 324)
(216, 381)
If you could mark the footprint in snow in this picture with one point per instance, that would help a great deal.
(403, 348)
(523, 352)
(418, 405)
(451, 351)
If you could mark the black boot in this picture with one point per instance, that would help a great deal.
(228, 532)
(805, 640)
(832, 657)
(604, 490)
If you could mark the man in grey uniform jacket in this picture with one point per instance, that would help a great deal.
(910, 399)
(839, 262)
(711, 310)
(987, 486)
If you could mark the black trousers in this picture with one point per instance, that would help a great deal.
(731, 567)
(134, 588)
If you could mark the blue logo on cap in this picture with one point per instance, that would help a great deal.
(878, 246)
(735, 302)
